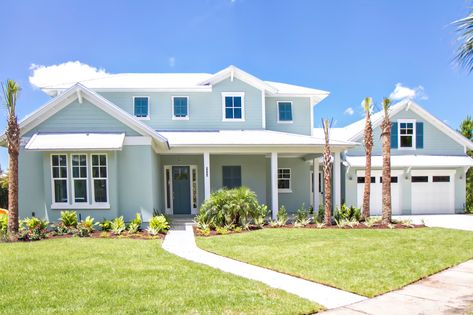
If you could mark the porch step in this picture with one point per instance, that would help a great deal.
(182, 220)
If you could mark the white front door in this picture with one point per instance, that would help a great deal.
(433, 191)
(376, 192)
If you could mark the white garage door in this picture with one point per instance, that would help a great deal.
(433, 192)
(376, 196)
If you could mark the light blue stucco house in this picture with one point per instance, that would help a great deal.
(132, 143)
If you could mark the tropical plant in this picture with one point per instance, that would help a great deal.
(346, 213)
(302, 217)
(158, 224)
(32, 229)
(368, 142)
(69, 219)
(386, 146)
(86, 227)
(229, 206)
(326, 124)
(118, 225)
(222, 230)
(466, 129)
(10, 93)
(3, 224)
(3, 192)
(135, 224)
(260, 216)
(282, 216)
(464, 54)
(106, 225)
(320, 214)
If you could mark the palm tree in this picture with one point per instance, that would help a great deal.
(327, 174)
(466, 129)
(386, 143)
(464, 54)
(367, 104)
(10, 93)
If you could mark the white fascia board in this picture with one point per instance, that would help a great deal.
(138, 90)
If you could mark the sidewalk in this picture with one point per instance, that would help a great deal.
(181, 242)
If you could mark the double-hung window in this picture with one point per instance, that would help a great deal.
(141, 107)
(233, 106)
(284, 180)
(59, 178)
(284, 112)
(99, 178)
(180, 107)
(231, 176)
(406, 134)
(79, 178)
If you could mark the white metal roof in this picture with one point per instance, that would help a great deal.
(75, 141)
(413, 161)
(243, 138)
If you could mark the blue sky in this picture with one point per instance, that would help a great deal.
(351, 48)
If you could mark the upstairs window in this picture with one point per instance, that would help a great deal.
(284, 112)
(406, 134)
(180, 107)
(233, 106)
(141, 106)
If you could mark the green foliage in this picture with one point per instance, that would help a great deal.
(260, 216)
(158, 224)
(320, 214)
(466, 129)
(3, 224)
(86, 227)
(464, 55)
(282, 216)
(4, 192)
(118, 225)
(69, 219)
(135, 224)
(106, 225)
(222, 230)
(345, 213)
(229, 206)
(302, 216)
(32, 229)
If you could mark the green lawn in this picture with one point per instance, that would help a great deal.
(367, 262)
(123, 276)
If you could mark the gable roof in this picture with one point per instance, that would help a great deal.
(188, 82)
(77, 92)
(355, 130)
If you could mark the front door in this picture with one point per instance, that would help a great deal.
(181, 190)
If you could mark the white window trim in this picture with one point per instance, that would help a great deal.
(285, 190)
(292, 113)
(414, 133)
(240, 94)
(73, 192)
(53, 194)
(170, 210)
(149, 113)
(92, 183)
(172, 105)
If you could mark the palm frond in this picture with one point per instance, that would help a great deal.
(464, 55)
(368, 104)
(10, 94)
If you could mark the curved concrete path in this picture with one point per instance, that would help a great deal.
(181, 241)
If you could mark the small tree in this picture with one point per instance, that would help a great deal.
(327, 173)
(368, 142)
(466, 129)
(386, 143)
(10, 93)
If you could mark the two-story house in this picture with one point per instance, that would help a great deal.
(131, 143)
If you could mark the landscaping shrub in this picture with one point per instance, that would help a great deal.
(3, 225)
(135, 224)
(106, 225)
(302, 216)
(282, 216)
(86, 227)
(320, 214)
(235, 206)
(32, 229)
(158, 224)
(260, 216)
(118, 225)
(345, 213)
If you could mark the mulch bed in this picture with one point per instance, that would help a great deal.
(359, 226)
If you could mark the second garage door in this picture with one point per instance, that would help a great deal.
(432, 192)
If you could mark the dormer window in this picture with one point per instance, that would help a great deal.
(406, 134)
(141, 107)
(284, 112)
(180, 108)
(233, 106)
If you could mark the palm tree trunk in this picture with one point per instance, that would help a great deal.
(368, 151)
(13, 135)
(327, 176)
(386, 145)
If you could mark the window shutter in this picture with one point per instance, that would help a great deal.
(394, 144)
(419, 135)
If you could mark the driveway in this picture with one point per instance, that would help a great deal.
(450, 221)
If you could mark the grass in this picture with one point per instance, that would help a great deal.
(367, 262)
(124, 276)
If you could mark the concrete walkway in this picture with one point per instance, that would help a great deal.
(181, 242)
(449, 221)
(447, 292)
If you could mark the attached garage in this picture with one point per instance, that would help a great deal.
(376, 195)
(433, 191)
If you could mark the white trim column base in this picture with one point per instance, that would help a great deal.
(337, 185)
(274, 185)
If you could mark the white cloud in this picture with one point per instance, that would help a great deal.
(401, 92)
(64, 73)
(349, 111)
(172, 61)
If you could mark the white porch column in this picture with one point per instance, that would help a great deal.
(315, 185)
(274, 184)
(206, 175)
(337, 185)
